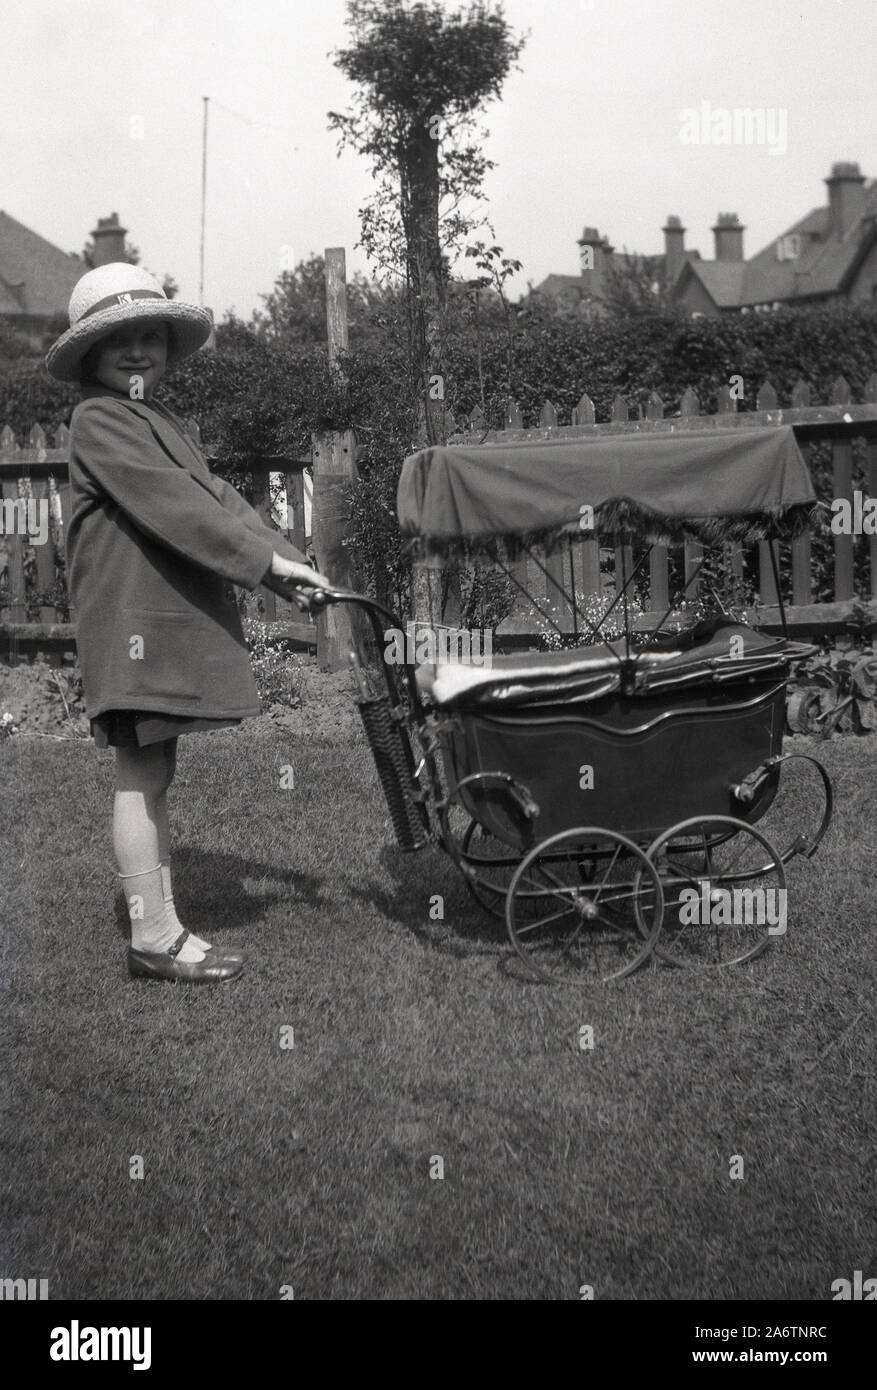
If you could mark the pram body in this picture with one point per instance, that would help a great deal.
(606, 786)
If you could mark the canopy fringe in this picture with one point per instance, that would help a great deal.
(622, 517)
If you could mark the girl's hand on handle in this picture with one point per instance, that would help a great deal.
(302, 576)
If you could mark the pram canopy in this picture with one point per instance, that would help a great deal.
(735, 485)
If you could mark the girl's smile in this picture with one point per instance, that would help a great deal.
(133, 359)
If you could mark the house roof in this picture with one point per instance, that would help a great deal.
(36, 278)
(825, 265)
(556, 285)
(722, 280)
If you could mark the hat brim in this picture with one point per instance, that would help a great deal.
(190, 328)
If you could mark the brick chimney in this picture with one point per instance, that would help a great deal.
(674, 247)
(109, 240)
(592, 255)
(728, 233)
(846, 198)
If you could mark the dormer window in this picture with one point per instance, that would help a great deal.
(789, 247)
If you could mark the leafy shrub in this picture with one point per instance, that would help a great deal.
(258, 398)
(600, 610)
(277, 669)
(835, 690)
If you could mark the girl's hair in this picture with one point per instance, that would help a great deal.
(88, 365)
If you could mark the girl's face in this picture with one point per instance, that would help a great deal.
(133, 358)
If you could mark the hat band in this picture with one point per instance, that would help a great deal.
(112, 301)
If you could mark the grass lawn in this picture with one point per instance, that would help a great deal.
(310, 1166)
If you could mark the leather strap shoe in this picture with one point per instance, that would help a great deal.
(163, 965)
(224, 953)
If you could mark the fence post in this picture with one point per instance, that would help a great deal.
(294, 484)
(871, 478)
(659, 579)
(692, 551)
(261, 475)
(623, 553)
(842, 475)
(10, 492)
(555, 579)
(334, 471)
(45, 554)
(62, 484)
(766, 400)
(584, 414)
(802, 578)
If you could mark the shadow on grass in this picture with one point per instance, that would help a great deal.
(429, 872)
(209, 890)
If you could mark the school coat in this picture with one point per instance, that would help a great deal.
(154, 541)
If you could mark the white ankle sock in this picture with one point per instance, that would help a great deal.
(170, 909)
(151, 928)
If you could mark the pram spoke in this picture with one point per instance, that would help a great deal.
(587, 920)
(722, 906)
(525, 929)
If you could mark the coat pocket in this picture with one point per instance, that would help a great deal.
(159, 655)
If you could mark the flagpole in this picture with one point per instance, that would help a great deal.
(203, 195)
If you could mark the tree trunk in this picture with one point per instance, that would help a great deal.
(433, 597)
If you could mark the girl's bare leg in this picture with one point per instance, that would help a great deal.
(142, 779)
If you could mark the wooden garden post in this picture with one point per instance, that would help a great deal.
(334, 470)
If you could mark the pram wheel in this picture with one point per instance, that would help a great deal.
(724, 891)
(584, 905)
(797, 817)
(492, 864)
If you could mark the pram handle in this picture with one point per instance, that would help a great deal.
(319, 597)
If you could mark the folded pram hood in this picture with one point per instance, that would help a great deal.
(736, 485)
(583, 674)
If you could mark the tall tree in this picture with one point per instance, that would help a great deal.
(638, 287)
(423, 73)
(295, 310)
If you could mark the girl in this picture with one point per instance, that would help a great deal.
(154, 543)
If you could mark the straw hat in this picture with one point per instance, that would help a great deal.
(117, 294)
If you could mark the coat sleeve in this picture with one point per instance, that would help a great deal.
(117, 449)
(238, 506)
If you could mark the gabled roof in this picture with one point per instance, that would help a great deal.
(825, 266)
(555, 284)
(722, 280)
(35, 276)
(826, 263)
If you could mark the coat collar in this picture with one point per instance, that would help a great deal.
(160, 419)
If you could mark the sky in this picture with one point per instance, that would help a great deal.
(101, 110)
